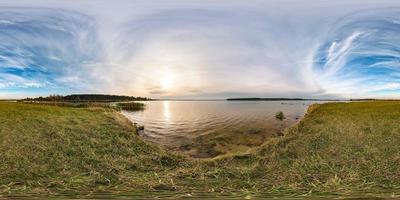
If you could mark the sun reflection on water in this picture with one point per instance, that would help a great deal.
(166, 111)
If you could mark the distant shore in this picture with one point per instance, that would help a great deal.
(75, 98)
(281, 99)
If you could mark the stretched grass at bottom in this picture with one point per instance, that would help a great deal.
(338, 148)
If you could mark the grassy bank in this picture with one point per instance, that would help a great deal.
(62, 149)
(338, 148)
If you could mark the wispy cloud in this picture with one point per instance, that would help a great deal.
(360, 56)
(44, 48)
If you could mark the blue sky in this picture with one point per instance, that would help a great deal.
(201, 49)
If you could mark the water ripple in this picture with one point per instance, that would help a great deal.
(212, 117)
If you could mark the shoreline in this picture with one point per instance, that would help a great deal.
(207, 142)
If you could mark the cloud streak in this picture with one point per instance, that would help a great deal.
(45, 48)
(361, 53)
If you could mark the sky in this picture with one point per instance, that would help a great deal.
(200, 49)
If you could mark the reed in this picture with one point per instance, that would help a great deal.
(280, 116)
(131, 106)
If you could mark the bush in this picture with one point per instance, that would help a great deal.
(280, 115)
(131, 106)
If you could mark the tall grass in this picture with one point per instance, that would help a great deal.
(54, 149)
(70, 104)
(131, 106)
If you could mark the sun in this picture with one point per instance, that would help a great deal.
(167, 83)
(167, 80)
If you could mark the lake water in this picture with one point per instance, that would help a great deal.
(210, 128)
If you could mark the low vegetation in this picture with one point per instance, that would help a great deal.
(86, 98)
(131, 106)
(348, 149)
(71, 104)
(47, 149)
(280, 116)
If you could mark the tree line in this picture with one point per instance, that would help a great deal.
(87, 97)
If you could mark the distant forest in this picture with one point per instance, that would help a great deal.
(264, 99)
(281, 99)
(87, 98)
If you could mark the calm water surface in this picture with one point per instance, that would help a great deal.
(175, 123)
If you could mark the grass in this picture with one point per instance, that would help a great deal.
(338, 148)
(61, 149)
(131, 106)
(71, 104)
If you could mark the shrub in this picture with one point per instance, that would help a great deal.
(131, 106)
(280, 115)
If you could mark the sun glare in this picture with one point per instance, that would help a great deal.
(167, 81)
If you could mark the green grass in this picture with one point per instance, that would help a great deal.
(72, 104)
(338, 148)
(55, 149)
(131, 106)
